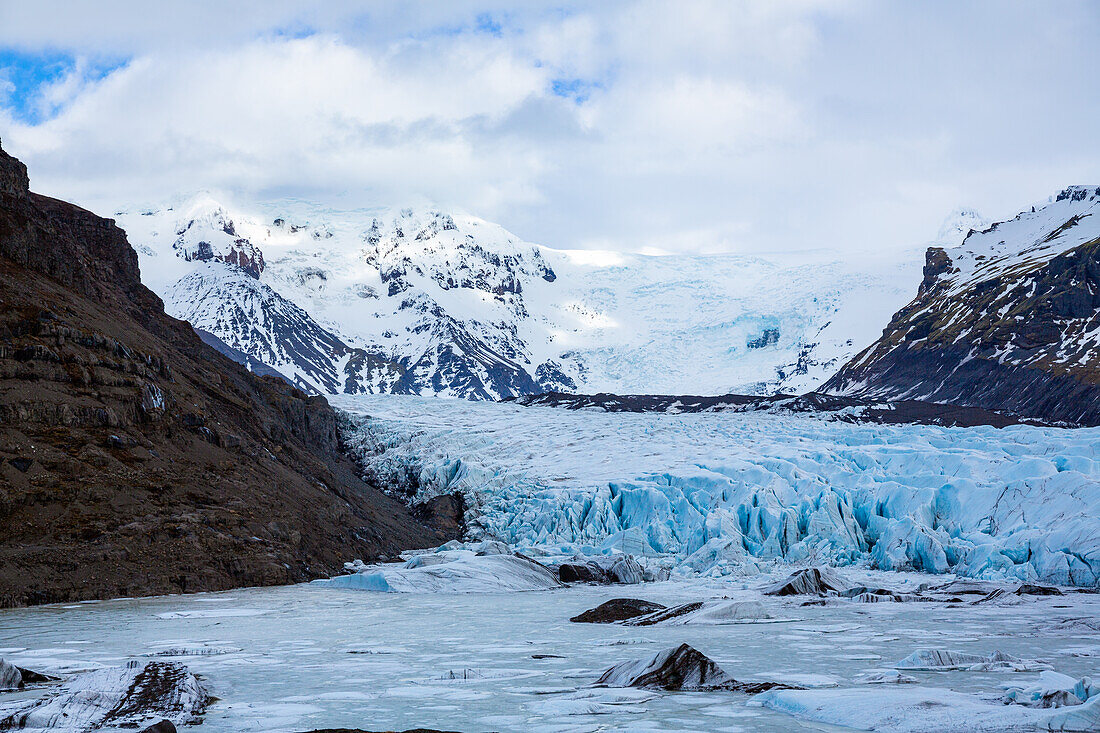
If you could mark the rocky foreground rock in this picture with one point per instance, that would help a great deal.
(149, 695)
(134, 458)
(678, 668)
(617, 609)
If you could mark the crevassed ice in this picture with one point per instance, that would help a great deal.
(716, 493)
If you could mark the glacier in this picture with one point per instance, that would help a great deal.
(716, 494)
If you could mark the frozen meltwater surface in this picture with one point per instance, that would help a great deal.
(303, 657)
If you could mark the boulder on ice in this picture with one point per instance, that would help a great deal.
(164, 726)
(587, 572)
(617, 609)
(678, 668)
(665, 614)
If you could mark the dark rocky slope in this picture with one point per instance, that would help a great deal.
(1010, 320)
(134, 458)
(847, 409)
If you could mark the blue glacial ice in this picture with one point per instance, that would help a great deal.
(722, 493)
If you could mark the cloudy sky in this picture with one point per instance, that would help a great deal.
(685, 125)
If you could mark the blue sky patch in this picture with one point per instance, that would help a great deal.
(23, 76)
(579, 90)
(487, 24)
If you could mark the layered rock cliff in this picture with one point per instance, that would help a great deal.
(134, 458)
(1009, 320)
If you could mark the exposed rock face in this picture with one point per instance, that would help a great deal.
(137, 460)
(1010, 320)
(587, 572)
(617, 609)
(13, 176)
(623, 569)
(445, 513)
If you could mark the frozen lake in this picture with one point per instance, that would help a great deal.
(303, 657)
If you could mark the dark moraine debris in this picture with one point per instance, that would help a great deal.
(848, 409)
(960, 587)
(679, 668)
(1029, 589)
(617, 609)
(867, 594)
(807, 582)
(993, 596)
(657, 617)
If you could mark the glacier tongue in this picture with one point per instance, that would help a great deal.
(720, 493)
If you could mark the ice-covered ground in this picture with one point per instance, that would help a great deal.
(722, 493)
(304, 657)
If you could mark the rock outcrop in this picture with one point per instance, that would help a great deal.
(134, 458)
(1010, 320)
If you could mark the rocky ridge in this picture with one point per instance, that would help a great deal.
(1009, 320)
(134, 458)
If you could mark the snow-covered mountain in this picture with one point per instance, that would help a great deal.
(1010, 320)
(425, 302)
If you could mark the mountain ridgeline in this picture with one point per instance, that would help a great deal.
(426, 302)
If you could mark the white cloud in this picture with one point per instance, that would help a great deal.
(697, 124)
